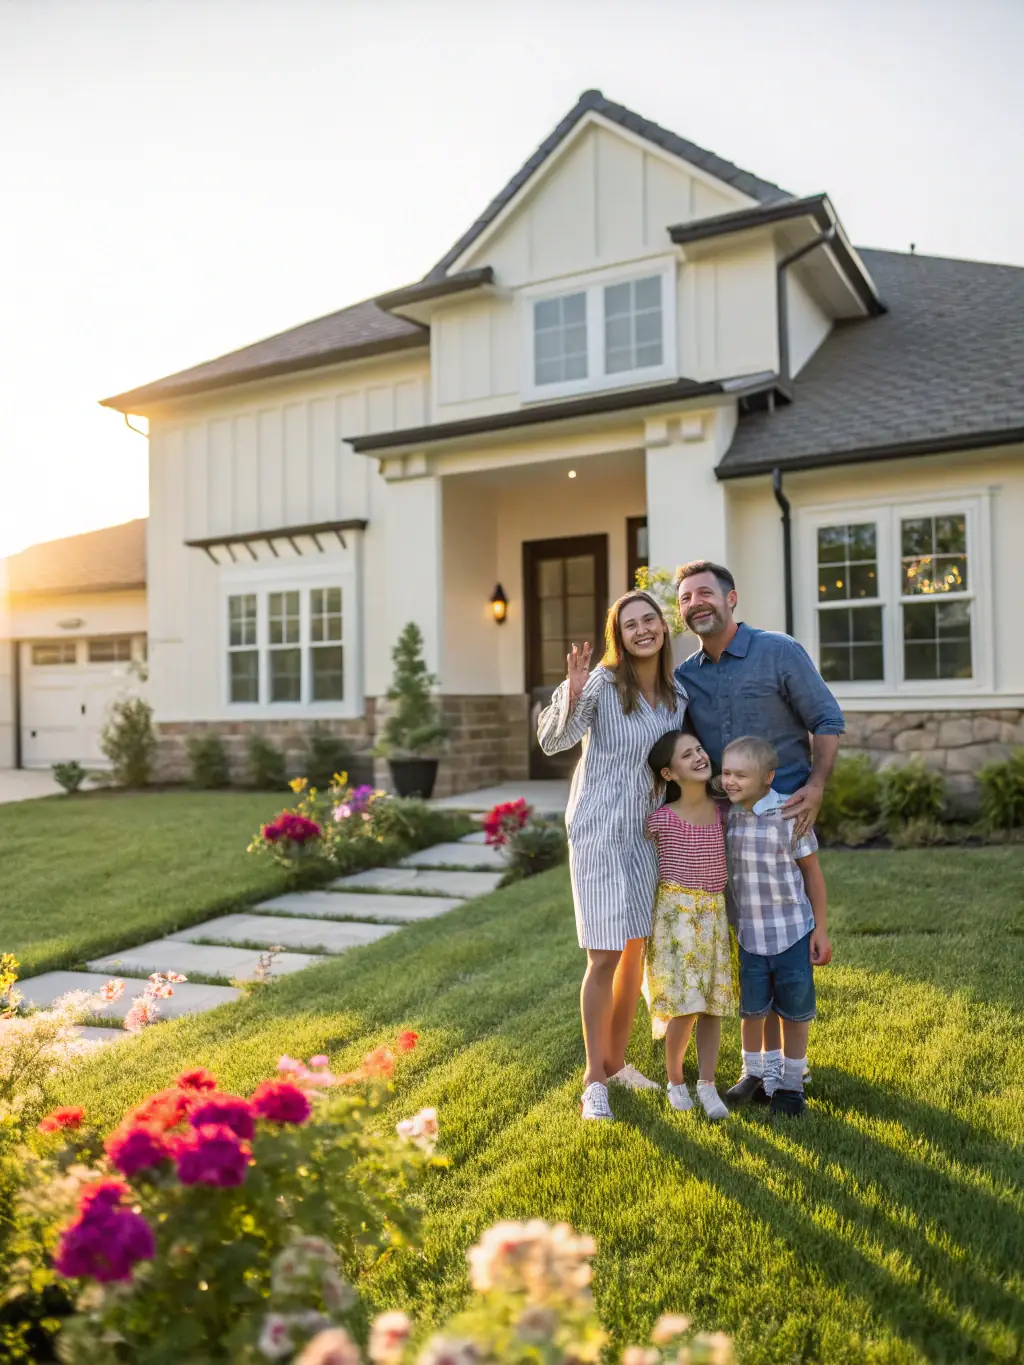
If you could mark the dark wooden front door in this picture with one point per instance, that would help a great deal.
(565, 585)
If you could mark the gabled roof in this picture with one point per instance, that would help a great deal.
(362, 330)
(943, 369)
(111, 560)
(593, 101)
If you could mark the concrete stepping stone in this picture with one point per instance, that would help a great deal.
(314, 935)
(102, 1035)
(193, 959)
(476, 856)
(357, 905)
(477, 837)
(191, 998)
(414, 879)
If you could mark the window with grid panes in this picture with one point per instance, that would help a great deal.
(116, 650)
(326, 652)
(632, 325)
(243, 653)
(53, 654)
(935, 598)
(284, 647)
(560, 339)
(850, 626)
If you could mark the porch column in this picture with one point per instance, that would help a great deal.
(686, 514)
(413, 568)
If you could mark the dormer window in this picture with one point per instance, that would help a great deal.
(611, 332)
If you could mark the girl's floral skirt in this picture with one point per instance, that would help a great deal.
(690, 963)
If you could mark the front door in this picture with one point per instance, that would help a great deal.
(565, 588)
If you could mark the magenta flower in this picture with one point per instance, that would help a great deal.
(212, 1155)
(103, 1194)
(287, 825)
(280, 1102)
(231, 1110)
(105, 1241)
(136, 1149)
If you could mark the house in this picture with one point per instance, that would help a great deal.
(637, 354)
(74, 612)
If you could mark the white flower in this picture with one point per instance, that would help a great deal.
(668, 1327)
(448, 1351)
(338, 1294)
(330, 1348)
(421, 1130)
(275, 1340)
(388, 1336)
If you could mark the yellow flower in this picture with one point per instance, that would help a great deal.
(298, 784)
(340, 779)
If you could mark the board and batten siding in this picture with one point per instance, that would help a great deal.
(269, 458)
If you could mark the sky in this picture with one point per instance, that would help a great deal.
(182, 177)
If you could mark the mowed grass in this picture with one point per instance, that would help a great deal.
(83, 876)
(886, 1226)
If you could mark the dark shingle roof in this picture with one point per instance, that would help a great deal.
(110, 560)
(945, 363)
(593, 101)
(364, 329)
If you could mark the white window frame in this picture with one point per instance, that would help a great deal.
(593, 286)
(975, 506)
(320, 571)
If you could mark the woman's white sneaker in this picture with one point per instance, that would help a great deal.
(711, 1100)
(632, 1079)
(595, 1102)
(679, 1097)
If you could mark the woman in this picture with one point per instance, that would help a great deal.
(619, 711)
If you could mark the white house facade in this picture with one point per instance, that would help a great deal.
(638, 354)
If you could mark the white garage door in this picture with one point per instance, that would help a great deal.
(67, 687)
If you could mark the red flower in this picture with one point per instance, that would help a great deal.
(405, 1042)
(212, 1155)
(379, 1062)
(287, 825)
(65, 1117)
(197, 1079)
(134, 1149)
(232, 1110)
(280, 1102)
(163, 1109)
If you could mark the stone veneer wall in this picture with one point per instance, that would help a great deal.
(488, 742)
(957, 743)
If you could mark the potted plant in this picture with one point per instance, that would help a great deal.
(414, 726)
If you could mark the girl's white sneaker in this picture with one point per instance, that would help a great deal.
(679, 1097)
(632, 1079)
(714, 1105)
(595, 1102)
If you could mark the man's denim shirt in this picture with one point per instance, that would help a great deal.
(766, 685)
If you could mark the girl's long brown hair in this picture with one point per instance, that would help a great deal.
(620, 662)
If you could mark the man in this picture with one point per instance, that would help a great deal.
(744, 681)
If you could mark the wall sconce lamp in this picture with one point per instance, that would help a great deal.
(499, 604)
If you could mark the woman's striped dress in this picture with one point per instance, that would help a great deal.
(612, 865)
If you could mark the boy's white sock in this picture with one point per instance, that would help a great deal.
(712, 1101)
(793, 1073)
(752, 1064)
(772, 1070)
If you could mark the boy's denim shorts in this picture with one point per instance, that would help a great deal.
(783, 982)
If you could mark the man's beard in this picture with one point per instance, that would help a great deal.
(709, 625)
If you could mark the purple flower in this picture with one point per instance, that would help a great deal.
(212, 1155)
(231, 1110)
(105, 1241)
(134, 1149)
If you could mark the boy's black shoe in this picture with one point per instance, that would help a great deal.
(747, 1090)
(788, 1102)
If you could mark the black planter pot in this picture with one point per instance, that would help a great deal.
(413, 776)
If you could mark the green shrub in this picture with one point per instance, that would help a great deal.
(911, 793)
(538, 846)
(1002, 792)
(208, 760)
(70, 776)
(326, 755)
(923, 831)
(856, 833)
(265, 765)
(129, 742)
(852, 796)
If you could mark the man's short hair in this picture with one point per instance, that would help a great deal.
(757, 750)
(725, 579)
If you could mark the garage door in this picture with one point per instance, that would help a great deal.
(67, 687)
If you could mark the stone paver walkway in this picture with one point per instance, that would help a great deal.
(309, 925)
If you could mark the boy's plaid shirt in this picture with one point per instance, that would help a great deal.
(769, 899)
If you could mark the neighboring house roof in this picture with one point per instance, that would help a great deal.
(942, 370)
(111, 560)
(362, 330)
(365, 329)
(593, 101)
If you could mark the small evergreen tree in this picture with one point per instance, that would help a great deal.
(414, 724)
(129, 742)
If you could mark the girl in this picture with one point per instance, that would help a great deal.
(618, 711)
(688, 966)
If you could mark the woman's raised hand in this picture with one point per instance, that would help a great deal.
(578, 664)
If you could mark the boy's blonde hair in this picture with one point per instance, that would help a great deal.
(758, 750)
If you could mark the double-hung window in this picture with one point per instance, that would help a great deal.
(243, 655)
(602, 333)
(286, 645)
(897, 592)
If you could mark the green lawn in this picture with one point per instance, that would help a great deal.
(887, 1226)
(87, 875)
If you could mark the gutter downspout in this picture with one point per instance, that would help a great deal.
(787, 546)
(16, 689)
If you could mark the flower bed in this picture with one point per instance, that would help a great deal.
(530, 844)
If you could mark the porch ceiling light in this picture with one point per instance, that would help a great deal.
(572, 473)
(499, 604)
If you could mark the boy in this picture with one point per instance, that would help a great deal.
(781, 914)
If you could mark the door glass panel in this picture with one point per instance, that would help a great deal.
(579, 575)
(550, 578)
(552, 619)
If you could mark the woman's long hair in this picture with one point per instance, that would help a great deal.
(620, 662)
